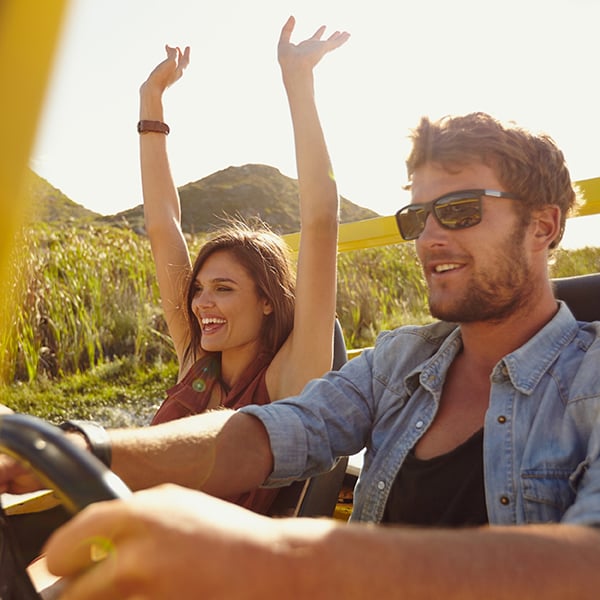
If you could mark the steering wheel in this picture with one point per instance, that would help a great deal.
(77, 477)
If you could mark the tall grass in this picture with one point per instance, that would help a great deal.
(78, 297)
(379, 288)
(85, 295)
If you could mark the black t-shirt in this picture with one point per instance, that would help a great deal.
(444, 491)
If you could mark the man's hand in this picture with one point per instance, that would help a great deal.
(16, 478)
(172, 542)
(163, 543)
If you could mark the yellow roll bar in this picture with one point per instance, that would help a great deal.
(590, 189)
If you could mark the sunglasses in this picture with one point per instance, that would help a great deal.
(457, 210)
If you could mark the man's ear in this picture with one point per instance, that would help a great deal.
(545, 224)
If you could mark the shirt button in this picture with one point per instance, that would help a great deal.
(501, 419)
(504, 500)
(504, 371)
(419, 424)
(381, 485)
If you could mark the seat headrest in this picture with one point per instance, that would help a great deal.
(582, 295)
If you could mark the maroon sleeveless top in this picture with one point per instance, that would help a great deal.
(202, 382)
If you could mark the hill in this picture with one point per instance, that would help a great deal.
(48, 204)
(247, 191)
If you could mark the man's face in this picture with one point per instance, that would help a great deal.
(481, 273)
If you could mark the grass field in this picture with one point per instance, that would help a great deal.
(87, 335)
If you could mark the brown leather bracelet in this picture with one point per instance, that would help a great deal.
(153, 126)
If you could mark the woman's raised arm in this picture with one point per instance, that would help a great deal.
(162, 211)
(308, 352)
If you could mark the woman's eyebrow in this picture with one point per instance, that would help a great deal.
(218, 280)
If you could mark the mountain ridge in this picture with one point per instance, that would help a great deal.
(248, 192)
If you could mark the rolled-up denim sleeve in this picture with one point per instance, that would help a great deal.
(288, 439)
(329, 419)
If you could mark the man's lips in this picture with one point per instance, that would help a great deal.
(445, 267)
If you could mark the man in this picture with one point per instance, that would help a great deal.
(492, 423)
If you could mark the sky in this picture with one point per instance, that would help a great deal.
(531, 61)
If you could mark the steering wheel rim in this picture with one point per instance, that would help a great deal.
(78, 478)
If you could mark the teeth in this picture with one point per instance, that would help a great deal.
(445, 267)
(212, 320)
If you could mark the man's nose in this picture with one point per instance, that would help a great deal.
(433, 232)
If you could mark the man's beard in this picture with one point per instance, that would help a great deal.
(492, 295)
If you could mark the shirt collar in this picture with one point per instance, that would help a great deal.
(431, 373)
(527, 365)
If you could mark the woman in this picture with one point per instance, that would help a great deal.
(242, 331)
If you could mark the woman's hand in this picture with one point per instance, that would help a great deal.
(168, 71)
(305, 55)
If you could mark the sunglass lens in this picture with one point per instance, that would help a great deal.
(411, 222)
(459, 214)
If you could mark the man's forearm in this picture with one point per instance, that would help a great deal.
(314, 558)
(541, 561)
(222, 452)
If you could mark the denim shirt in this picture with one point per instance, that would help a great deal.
(541, 430)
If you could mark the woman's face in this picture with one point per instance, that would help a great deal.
(227, 305)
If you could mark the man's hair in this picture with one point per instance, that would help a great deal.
(265, 257)
(529, 165)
